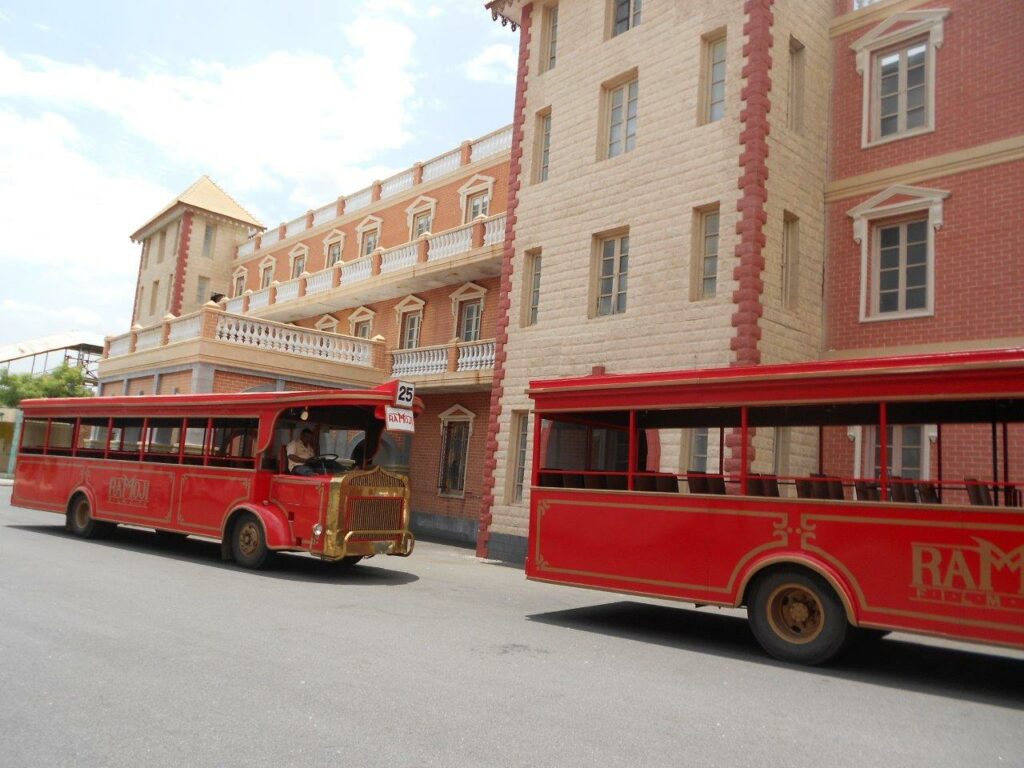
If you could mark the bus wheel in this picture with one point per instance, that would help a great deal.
(79, 520)
(248, 544)
(347, 562)
(797, 617)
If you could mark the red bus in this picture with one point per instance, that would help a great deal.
(833, 500)
(218, 465)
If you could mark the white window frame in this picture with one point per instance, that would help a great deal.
(864, 438)
(327, 323)
(242, 273)
(898, 30)
(467, 293)
(369, 225)
(519, 451)
(471, 189)
(708, 81)
(634, 17)
(873, 213)
(549, 39)
(531, 289)
(455, 414)
(616, 275)
(789, 291)
(270, 263)
(623, 86)
(296, 253)
(420, 206)
(542, 152)
(797, 77)
(209, 239)
(698, 265)
(362, 315)
(336, 236)
(199, 293)
(409, 305)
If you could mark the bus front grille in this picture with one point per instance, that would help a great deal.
(375, 514)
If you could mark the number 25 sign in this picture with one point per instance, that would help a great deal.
(405, 393)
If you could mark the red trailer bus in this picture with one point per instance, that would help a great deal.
(833, 500)
(216, 465)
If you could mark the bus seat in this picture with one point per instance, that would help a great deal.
(698, 482)
(755, 485)
(645, 483)
(804, 488)
(979, 494)
(716, 485)
(900, 491)
(866, 491)
(667, 483)
(551, 480)
(572, 481)
(617, 482)
(595, 482)
(835, 489)
(770, 484)
(928, 493)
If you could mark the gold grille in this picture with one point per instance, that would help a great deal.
(377, 478)
(375, 514)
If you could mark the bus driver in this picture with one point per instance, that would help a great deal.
(299, 452)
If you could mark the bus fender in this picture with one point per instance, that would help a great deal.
(824, 570)
(90, 496)
(275, 526)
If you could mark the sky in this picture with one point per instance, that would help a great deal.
(109, 110)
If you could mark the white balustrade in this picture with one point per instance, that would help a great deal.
(396, 184)
(120, 345)
(476, 356)
(353, 271)
(398, 258)
(358, 200)
(325, 214)
(235, 305)
(499, 141)
(246, 248)
(149, 338)
(450, 243)
(319, 282)
(270, 237)
(259, 299)
(304, 342)
(185, 328)
(288, 291)
(419, 362)
(858, 4)
(442, 165)
(494, 230)
(296, 226)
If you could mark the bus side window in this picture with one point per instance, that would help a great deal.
(234, 443)
(125, 439)
(62, 435)
(163, 439)
(92, 437)
(195, 441)
(33, 435)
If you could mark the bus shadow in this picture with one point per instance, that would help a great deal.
(949, 672)
(286, 566)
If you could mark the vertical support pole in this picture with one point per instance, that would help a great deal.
(995, 465)
(537, 437)
(632, 450)
(1006, 466)
(721, 451)
(883, 459)
(744, 449)
(821, 449)
(938, 447)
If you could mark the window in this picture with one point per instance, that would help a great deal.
(550, 37)
(532, 288)
(421, 223)
(714, 79)
(170, 287)
(456, 428)
(906, 452)
(360, 322)
(543, 140)
(369, 241)
(239, 287)
(896, 60)
(520, 432)
(790, 260)
(699, 450)
(470, 313)
(202, 290)
(896, 232)
(153, 296)
(625, 15)
(145, 252)
(298, 265)
(704, 272)
(623, 104)
(208, 234)
(327, 323)
(411, 322)
(902, 267)
(613, 275)
(333, 253)
(363, 329)
(795, 111)
(161, 247)
(163, 439)
(266, 276)
(477, 205)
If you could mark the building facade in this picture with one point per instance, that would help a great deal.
(683, 185)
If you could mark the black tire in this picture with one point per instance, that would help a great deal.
(249, 543)
(346, 563)
(80, 520)
(797, 617)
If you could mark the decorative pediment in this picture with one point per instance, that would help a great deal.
(334, 236)
(299, 250)
(456, 413)
(369, 223)
(360, 315)
(327, 323)
(476, 183)
(467, 291)
(898, 28)
(409, 304)
(896, 201)
(420, 204)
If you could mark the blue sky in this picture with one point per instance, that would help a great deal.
(110, 109)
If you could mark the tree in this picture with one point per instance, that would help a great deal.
(63, 381)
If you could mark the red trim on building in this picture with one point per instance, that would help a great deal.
(505, 291)
(753, 184)
(185, 234)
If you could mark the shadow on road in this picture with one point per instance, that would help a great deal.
(892, 662)
(287, 566)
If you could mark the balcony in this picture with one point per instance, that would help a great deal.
(272, 349)
(463, 254)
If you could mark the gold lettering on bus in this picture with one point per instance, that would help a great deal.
(983, 575)
(128, 490)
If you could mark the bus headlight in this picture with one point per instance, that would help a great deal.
(318, 531)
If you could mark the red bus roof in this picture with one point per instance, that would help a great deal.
(950, 375)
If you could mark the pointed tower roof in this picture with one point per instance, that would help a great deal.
(205, 195)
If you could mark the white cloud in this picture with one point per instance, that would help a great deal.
(494, 64)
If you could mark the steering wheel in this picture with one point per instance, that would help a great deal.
(321, 457)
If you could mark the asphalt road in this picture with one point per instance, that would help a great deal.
(132, 652)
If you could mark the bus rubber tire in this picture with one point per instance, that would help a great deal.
(80, 520)
(249, 543)
(347, 562)
(797, 617)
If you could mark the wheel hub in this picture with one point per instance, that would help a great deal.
(795, 613)
(249, 539)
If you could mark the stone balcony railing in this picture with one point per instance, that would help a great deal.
(454, 357)
(485, 147)
(295, 298)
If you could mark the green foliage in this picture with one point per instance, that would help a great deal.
(64, 381)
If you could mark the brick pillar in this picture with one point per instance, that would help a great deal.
(375, 259)
(166, 331)
(423, 249)
(478, 232)
(336, 276)
(302, 283)
(453, 355)
(466, 153)
(309, 219)
(375, 191)
(340, 206)
(417, 173)
(134, 337)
